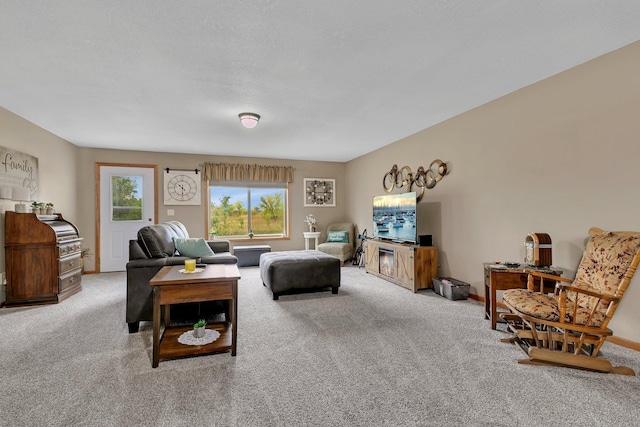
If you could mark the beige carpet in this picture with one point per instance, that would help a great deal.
(375, 354)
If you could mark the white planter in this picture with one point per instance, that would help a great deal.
(198, 332)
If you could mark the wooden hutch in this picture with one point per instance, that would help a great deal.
(43, 258)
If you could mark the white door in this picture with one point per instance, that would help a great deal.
(127, 203)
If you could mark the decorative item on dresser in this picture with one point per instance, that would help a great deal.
(43, 258)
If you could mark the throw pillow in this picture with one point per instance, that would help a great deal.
(338, 237)
(192, 247)
(149, 239)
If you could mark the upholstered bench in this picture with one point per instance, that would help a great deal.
(250, 255)
(296, 271)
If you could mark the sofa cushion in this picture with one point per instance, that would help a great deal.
(194, 247)
(338, 236)
(157, 240)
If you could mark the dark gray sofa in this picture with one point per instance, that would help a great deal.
(154, 249)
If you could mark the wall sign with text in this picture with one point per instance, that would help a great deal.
(17, 171)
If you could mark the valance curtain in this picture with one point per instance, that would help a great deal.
(246, 173)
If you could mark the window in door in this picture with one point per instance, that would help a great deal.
(126, 198)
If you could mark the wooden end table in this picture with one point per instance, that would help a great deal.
(215, 282)
(498, 277)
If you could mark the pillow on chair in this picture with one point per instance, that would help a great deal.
(338, 237)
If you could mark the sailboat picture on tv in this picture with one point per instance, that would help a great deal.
(394, 217)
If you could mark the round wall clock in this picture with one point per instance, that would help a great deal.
(181, 188)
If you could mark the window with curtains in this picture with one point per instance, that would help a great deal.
(248, 209)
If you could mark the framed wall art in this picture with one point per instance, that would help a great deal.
(182, 187)
(319, 192)
(18, 171)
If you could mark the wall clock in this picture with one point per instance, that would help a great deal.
(182, 188)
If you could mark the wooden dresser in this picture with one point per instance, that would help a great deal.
(43, 259)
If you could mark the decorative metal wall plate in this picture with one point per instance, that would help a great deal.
(319, 192)
(401, 177)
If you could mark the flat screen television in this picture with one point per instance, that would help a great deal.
(394, 217)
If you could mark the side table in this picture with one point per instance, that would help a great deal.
(308, 235)
(498, 277)
(170, 286)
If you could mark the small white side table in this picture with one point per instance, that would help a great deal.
(308, 235)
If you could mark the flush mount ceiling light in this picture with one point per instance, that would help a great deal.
(249, 120)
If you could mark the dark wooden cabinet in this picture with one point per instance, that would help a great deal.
(43, 259)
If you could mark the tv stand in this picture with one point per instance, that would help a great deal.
(410, 266)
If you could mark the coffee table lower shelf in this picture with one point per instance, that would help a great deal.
(170, 348)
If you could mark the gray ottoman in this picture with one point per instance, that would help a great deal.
(250, 255)
(297, 271)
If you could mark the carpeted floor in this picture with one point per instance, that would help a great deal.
(375, 354)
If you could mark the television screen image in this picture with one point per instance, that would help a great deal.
(394, 217)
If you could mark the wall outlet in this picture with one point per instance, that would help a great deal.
(171, 212)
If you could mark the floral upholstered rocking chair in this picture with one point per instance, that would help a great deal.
(569, 327)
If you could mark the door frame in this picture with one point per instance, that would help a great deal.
(98, 165)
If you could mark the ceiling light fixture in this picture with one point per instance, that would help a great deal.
(249, 120)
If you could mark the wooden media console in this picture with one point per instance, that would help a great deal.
(410, 266)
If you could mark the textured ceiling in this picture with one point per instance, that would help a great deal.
(332, 79)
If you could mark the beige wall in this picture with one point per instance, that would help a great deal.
(67, 178)
(557, 157)
(194, 216)
(56, 166)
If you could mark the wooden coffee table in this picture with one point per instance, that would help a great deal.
(215, 282)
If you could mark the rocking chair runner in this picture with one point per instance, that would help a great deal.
(569, 327)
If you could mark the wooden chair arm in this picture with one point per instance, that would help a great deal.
(548, 276)
(561, 292)
(570, 288)
(531, 284)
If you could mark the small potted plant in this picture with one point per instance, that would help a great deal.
(35, 207)
(85, 253)
(49, 208)
(198, 328)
